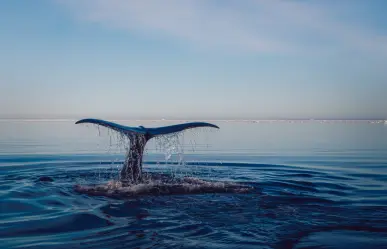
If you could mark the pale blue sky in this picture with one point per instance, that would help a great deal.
(193, 58)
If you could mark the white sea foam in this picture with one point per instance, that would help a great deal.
(161, 186)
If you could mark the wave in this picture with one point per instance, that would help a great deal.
(202, 203)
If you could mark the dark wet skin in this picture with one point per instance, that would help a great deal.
(131, 172)
(133, 182)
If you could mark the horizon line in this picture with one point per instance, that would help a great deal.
(200, 119)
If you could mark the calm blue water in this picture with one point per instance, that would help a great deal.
(317, 186)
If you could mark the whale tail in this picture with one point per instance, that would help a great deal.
(139, 136)
(148, 132)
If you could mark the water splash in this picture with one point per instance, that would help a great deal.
(162, 185)
(172, 146)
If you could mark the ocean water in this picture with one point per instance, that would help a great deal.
(316, 185)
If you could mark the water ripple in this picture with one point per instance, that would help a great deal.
(291, 206)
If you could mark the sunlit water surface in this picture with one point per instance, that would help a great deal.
(315, 186)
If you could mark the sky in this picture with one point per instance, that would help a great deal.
(193, 59)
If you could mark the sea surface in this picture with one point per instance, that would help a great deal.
(316, 185)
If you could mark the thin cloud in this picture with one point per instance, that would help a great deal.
(261, 26)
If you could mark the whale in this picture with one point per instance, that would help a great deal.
(131, 172)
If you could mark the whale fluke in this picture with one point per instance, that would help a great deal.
(139, 136)
(111, 125)
(152, 132)
(176, 128)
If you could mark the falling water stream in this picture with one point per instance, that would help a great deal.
(180, 179)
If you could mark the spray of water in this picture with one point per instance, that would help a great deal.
(181, 179)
